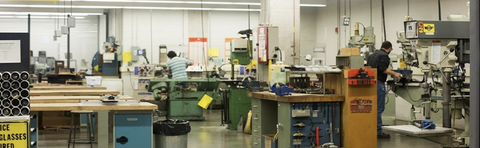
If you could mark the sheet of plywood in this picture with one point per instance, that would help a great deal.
(68, 99)
(295, 97)
(96, 107)
(72, 92)
(67, 88)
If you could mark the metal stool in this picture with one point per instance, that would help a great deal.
(73, 128)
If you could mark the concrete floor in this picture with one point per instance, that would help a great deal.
(209, 134)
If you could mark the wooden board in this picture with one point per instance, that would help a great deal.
(298, 98)
(72, 92)
(354, 124)
(68, 99)
(68, 87)
(95, 107)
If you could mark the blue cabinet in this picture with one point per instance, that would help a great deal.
(133, 130)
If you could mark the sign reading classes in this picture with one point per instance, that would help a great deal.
(14, 135)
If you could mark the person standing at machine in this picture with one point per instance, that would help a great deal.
(177, 66)
(380, 60)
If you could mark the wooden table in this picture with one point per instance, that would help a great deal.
(68, 99)
(297, 98)
(133, 121)
(72, 92)
(68, 87)
(80, 107)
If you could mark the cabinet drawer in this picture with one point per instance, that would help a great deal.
(256, 118)
(256, 103)
(256, 142)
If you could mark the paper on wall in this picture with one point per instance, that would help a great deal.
(10, 51)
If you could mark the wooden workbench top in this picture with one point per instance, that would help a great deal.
(96, 107)
(68, 87)
(68, 99)
(72, 92)
(297, 98)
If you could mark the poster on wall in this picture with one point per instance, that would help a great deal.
(197, 50)
(10, 51)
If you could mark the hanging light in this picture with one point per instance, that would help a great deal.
(64, 28)
(71, 19)
(71, 22)
(57, 32)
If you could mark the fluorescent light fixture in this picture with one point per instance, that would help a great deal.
(169, 2)
(38, 17)
(111, 7)
(47, 13)
(312, 5)
(192, 8)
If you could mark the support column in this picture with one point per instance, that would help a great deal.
(286, 15)
(475, 69)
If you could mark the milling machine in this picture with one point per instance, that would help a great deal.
(366, 40)
(440, 49)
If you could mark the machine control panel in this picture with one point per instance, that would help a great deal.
(419, 29)
(145, 71)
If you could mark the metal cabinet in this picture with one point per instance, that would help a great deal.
(133, 130)
(264, 120)
(33, 129)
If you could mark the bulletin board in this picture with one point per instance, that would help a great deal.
(14, 51)
(197, 50)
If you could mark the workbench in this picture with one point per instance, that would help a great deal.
(67, 87)
(350, 113)
(68, 99)
(270, 111)
(131, 121)
(73, 92)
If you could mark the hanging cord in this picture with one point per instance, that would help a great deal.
(64, 13)
(203, 47)
(371, 13)
(151, 35)
(408, 7)
(345, 15)
(349, 15)
(439, 11)
(383, 19)
(55, 20)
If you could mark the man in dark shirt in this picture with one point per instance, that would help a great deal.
(380, 60)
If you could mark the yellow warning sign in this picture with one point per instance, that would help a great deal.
(14, 135)
(429, 28)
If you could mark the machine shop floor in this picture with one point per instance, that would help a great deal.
(209, 133)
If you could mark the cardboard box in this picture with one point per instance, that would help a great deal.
(349, 51)
(58, 119)
(270, 141)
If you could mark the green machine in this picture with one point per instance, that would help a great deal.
(183, 95)
(236, 103)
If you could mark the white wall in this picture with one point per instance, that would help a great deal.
(83, 38)
(308, 34)
(148, 29)
(395, 11)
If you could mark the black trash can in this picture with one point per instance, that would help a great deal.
(171, 133)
